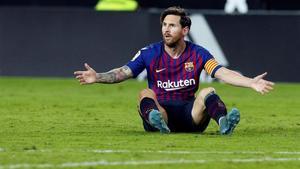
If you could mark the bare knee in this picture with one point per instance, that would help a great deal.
(150, 94)
(199, 105)
(147, 93)
(200, 99)
(204, 92)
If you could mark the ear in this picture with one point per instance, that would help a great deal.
(185, 30)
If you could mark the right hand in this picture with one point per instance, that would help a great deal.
(89, 76)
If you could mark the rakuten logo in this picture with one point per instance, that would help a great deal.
(172, 85)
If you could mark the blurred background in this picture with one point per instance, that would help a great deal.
(146, 4)
(52, 38)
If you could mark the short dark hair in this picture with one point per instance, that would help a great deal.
(185, 20)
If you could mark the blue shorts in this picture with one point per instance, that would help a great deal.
(180, 117)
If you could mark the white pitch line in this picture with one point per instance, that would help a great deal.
(111, 151)
(16, 166)
(266, 159)
(149, 162)
(178, 152)
(190, 152)
(126, 163)
(287, 152)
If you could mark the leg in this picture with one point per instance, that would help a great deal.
(152, 112)
(180, 117)
(208, 100)
(198, 113)
(148, 93)
(217, 110)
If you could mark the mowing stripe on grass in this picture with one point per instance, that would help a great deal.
(149, 162)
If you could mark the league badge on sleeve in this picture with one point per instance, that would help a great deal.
(136, 55)
(189, 66)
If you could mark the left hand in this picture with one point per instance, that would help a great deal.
(260, 85)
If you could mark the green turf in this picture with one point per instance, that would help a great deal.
(56, 123)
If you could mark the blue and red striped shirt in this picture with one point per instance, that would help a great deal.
(173, 79)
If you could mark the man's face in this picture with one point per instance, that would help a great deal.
(172, 31)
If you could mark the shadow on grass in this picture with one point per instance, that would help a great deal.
(142, 132)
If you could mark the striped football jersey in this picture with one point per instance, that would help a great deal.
(173, 79)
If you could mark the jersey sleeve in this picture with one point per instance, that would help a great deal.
(210, 63)
(137, 63)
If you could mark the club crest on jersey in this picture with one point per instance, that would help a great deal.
(189, 66)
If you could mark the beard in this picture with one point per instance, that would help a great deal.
(171, 42)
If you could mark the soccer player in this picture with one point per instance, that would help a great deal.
(173, 68)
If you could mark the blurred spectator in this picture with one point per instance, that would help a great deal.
(236, 5)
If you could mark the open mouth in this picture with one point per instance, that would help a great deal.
(167, 36)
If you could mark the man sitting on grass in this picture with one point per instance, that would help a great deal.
(173, 68)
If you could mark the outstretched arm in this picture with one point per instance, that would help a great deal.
(257, 83)
(90, 76)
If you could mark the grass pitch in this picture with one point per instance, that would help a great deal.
(56, 123)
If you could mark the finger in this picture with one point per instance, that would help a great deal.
(270, 83)
(83, 83)
(81, 80)
(269, 88)
(261, 92)
(78, 72)
(262, 75)
(266, 91)
(88, 67)
(265, 74)
(79, 77)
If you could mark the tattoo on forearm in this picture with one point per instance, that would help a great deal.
(115, 76)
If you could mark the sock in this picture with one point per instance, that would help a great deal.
(146, 105)
(215, 107)
(220, 119)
